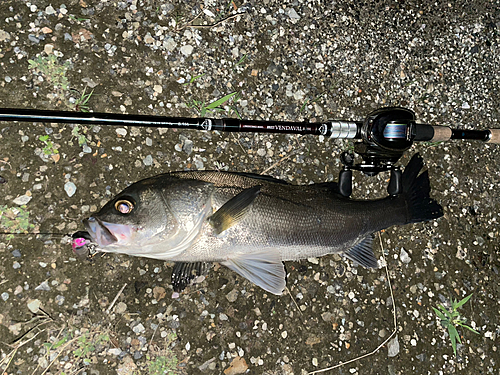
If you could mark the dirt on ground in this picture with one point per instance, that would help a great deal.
(259, 60)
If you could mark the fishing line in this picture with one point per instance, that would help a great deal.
(36, 234)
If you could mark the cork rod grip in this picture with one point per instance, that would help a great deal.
(495, 136)
(441, 133)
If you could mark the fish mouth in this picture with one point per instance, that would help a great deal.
(99, 231)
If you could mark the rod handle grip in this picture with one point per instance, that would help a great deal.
(441, 133)
(494, 136)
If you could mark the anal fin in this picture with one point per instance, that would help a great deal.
(264, 269)
(363, 253)
(183, 273)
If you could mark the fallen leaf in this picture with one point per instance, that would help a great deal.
(237, 366)
(159, 293)
(312, 340)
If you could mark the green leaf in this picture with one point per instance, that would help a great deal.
(60, 342)
(462, 302)
(453, 337)
(82, 140)
(469, 328)
(439, 314)
(453, 329)
(448, 314)
(221, 101)
(43, 138)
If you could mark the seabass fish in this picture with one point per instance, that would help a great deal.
(251, 223)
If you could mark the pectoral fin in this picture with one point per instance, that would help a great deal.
(234, 209)
(263, 269)
(183, 273)
(363, 253)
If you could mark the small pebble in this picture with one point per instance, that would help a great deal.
(405, 258)
(60, 299)
(115, 351)
(50, 10)
(232, 295)
(22, 200)
(43, 286)
(139, 328)
(393, 347)
(5, 296)
(48, 49)
(121, 132)
(70, 188)
(187, 50)
(148, 160)
(34, 305)
(137, 355)
(188, 146)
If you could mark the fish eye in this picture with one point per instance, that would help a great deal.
(124, 206)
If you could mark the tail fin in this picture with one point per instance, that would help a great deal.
(416, 192)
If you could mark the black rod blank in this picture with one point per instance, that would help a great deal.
(334, 129)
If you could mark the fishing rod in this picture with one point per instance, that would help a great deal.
(383, 136)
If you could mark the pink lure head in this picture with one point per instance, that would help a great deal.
(79, 242)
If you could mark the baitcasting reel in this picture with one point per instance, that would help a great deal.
(385, 135)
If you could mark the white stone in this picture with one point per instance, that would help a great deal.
(393, 347)
(139, 328)
(122, 132)
(405, 258)
(22, 200)
(293, 14)
(70, 188)
(50, 10)
(187, 50)
(115, 351)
